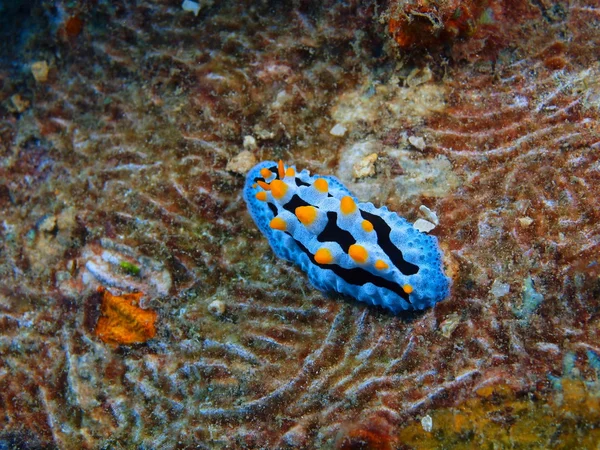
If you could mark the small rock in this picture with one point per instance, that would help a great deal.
(39, 70)
(338, 130)
(448, 326)
(499, 289)
(115, 265)
(242, 163)
(525, 221)
(263, 134)
(47, 224)
(191, 6)
(216, 308)
(427, 423)
(250, 143)
(417, 142)
(365, 167)
(282, 98)
(20, 103)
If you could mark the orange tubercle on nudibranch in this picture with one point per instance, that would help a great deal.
(306, 214)
(122, 321)
(262, 196)
(408, 288)
(323, 256)
(321, 185)
(381, 265)
(358, 253)
(367, 226)
(281, 169)
(277, 223)
(265, 173)
(265, 186)
(278, 189)
(347, 205)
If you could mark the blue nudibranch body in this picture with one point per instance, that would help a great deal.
(354, 248)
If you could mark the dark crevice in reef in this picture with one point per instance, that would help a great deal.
(24, 26)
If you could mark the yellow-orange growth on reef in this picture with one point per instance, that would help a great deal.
(122, 321)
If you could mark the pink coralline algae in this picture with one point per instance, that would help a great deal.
(124, 170)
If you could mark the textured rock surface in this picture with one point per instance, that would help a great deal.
(116, 174)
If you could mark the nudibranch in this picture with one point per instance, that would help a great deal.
(353, 248)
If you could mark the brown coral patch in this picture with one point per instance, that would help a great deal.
(123, 321)
(375, 433)
(472, 29)
(73, 27)
(424, 23)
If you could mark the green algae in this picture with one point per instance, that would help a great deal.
(130, 268)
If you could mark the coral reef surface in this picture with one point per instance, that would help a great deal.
(125, 132)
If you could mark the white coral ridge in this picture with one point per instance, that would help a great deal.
(191, 6)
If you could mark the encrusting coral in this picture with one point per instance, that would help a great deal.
(122, 321)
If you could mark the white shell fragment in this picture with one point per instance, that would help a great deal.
(423, 226)
(250, 143)
(427, 423)
(338, 130)
(417, 142)
(429, 214)
(525, 221)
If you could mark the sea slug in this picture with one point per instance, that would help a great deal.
(353, 248)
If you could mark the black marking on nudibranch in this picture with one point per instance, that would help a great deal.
(299, 182)
(356, 276)
(383, 231)
(333, 233)
(273, 208)
(294, 203)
